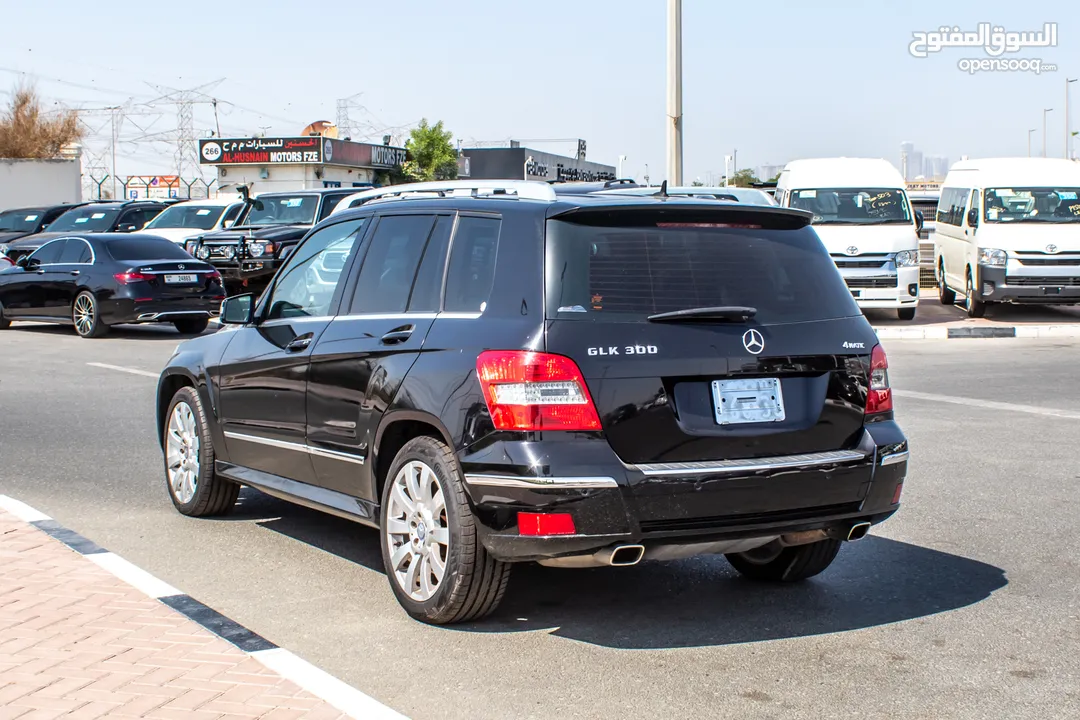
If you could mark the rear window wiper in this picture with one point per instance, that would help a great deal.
(730, 313)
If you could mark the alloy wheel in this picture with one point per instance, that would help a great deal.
(417, 531)
(83, 314)
(182, 453)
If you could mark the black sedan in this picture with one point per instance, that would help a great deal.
(93, 281)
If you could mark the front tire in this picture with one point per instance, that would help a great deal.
(191, 326)
(906, 313)
(86, 317)
(438, 569)
(975, 308)
(196, 490)
(790, 564)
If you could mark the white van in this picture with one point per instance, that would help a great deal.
(1008, 230)
(862, 215)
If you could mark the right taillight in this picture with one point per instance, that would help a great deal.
(528, 391)
(132, 276)
(879, 396)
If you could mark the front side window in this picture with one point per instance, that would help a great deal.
(195, 217)
(49, 253)
(329, 203)
(284, 210)
(854, 206)
(140, 217)
(306, 284)
(1032, 204)
(86, 219)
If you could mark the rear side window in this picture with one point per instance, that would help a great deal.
(597, 272)
(75, 251)
(472, 264)
(146, 248)
(386, 279)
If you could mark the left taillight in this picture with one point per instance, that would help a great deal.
(529, 391)
(879, 395)
(132, 276)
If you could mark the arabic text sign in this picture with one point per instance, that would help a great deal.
(269, 151)
(994, 40)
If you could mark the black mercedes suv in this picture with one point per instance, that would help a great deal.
(491, 375)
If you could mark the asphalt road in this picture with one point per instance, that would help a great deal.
(963, 605)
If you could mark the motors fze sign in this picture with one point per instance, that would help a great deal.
(298, 150)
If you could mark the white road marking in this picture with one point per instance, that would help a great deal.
(988, 404)
(119, 368)
(322, 684)
(133, 575)
(21, 510)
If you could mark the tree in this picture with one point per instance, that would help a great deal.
(27, 132)
(744, 178)
(775, 178)
(697, 183)
(431, 153)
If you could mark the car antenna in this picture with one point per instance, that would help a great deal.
(663, 189)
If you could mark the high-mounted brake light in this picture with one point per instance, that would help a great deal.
(527, 391)
(879, 396)
(132, 276)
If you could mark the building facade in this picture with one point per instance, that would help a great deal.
(516, 163)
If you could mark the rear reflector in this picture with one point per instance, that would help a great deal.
(896, 493)
(545, 524)
(527, 391)
(879, 396)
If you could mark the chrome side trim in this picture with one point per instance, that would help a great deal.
(894, 458)
(749, 465)
(539, 483)
(297, 447)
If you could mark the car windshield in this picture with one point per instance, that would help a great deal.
(86, 219)
(1032, 204)
(19, 220)
(195, 217)
(283, 210)
(854, 206)
(627, 271)
(140, 248)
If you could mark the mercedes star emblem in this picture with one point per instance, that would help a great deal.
(852, 250)
(1051, 249)
(753, 342)
(179, 267)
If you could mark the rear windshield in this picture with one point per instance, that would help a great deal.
(626, 273)
(146, 248)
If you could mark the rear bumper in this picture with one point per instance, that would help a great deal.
(1037, 288)
(129, 311)
(664, 507)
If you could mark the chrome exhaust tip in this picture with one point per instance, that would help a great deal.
(626, 555)
(858, 531)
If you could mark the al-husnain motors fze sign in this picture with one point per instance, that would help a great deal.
(297, 151)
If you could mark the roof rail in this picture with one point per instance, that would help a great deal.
(440, 188)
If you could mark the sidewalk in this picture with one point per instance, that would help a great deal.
(78, 642)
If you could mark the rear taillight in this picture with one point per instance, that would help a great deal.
(879, 397)
(213, 275)
(132, 276)
(535, 391)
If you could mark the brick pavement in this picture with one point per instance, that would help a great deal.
(77, 642)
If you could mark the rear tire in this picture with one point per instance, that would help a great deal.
(906, 313)
(424, 500)
(791, 564)
(191, 326)
(86, 317)
(945, 295)
(975, 308)
(195, 489)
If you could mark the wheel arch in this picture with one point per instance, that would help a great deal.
(172, 380)
(396, 429)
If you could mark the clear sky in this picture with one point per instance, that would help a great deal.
(777, 80)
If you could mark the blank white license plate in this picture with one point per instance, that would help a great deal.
(180, 279)
(748, 401)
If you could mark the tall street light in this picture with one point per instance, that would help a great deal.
(1045, 110)
(1068, 137)
(1029, 139)
(674, 97)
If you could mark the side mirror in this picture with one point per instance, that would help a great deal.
(23, 261)
(126, 227)
(918, 220)
(973, 217)
(238, 309)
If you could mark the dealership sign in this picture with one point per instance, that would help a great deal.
(297, 151)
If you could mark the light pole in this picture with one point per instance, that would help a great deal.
(1029, 140)
(674, 95)
(618, 173)
(1045, 110)
(1068, 137)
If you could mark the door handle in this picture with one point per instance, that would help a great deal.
(398, 335)
(74, 272)
(299, 343)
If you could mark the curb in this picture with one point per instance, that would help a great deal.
(292, 667)
(983, 331)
